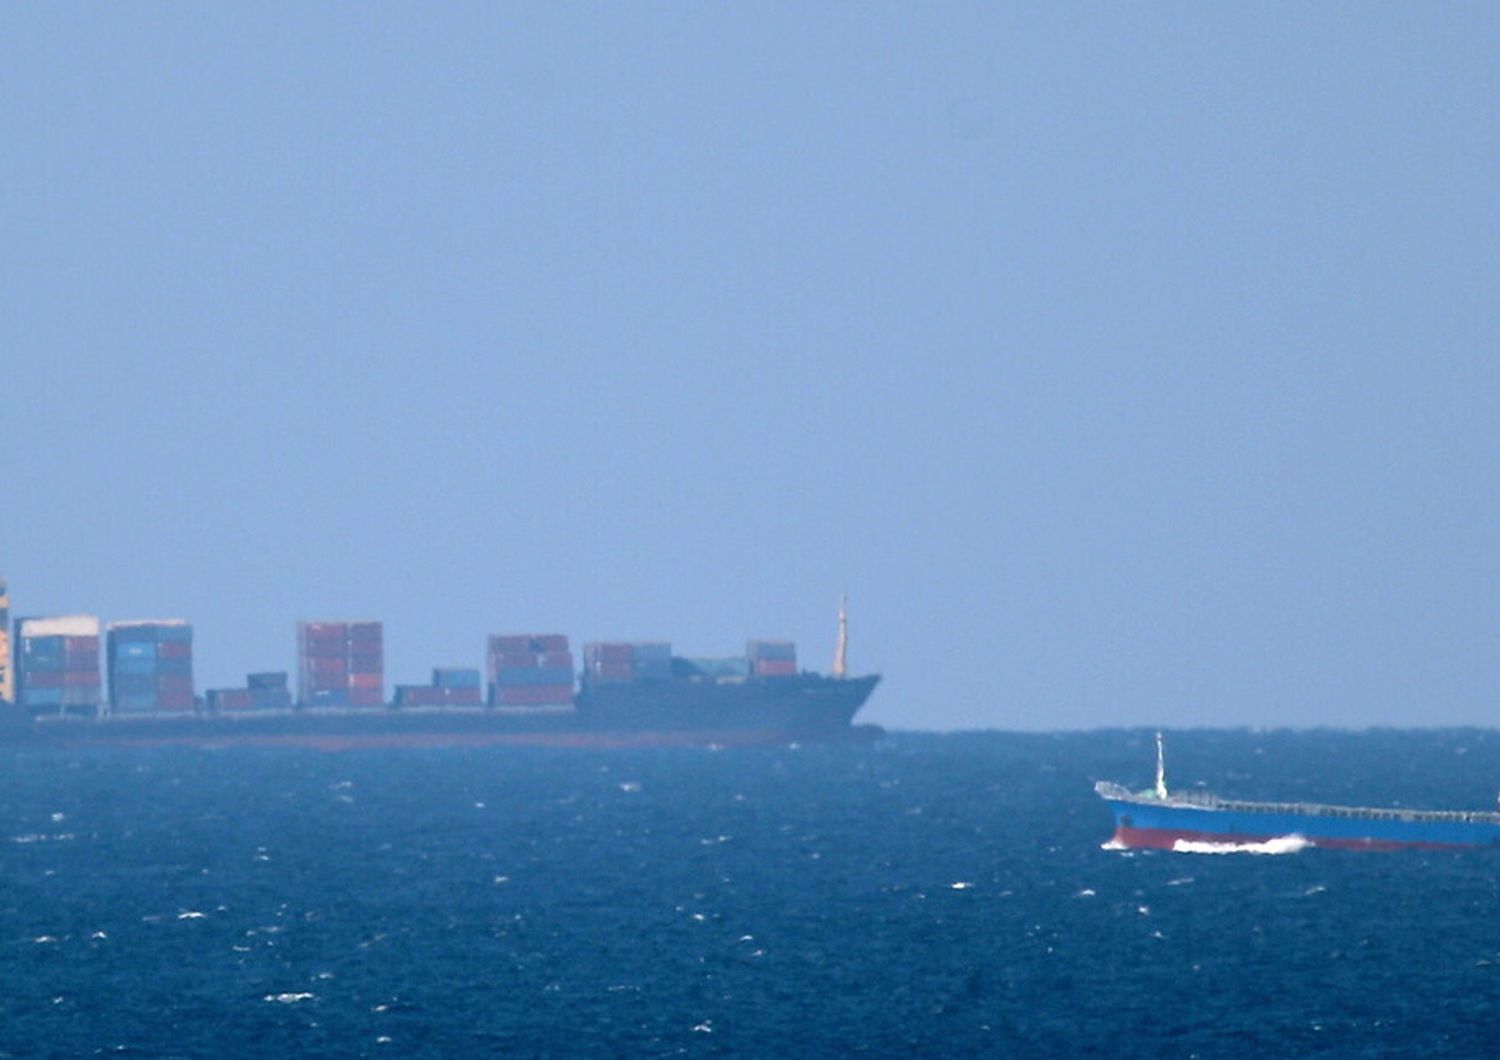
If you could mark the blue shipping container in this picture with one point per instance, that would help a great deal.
(455, 677)
(551, 675)
(134, 649)
(128, 684)
(177, 633)
(126, 664)
(41, 697)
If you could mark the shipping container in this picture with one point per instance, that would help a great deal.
(775, 668)
(510, 644)
(532, 696)
(366, 662)
(782, 650)
(229, 699)
(271, 698)
(549, 642)
(455, 677)
(179, 667)
(535, 676)
(270, 680)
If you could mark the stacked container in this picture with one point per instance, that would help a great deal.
(265, 691)
(618, 662)
(772, 658)
(150, 666)
(57, 665)
(451, 686)
(340, 664)
(530, 670)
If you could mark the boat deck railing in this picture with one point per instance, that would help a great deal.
(1208, 801)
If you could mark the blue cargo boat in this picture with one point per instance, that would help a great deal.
(1190, 821)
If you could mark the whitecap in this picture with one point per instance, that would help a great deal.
(629, 786)
(961, 885)
(1087, 892)
(1113, 844)
(191, 914)
(1286, 844)
(45, 939)
(1180, 881)
(289, 998)
(706, 1027)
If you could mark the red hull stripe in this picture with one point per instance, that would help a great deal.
(1166, 838)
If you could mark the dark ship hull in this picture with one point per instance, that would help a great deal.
(674, 713)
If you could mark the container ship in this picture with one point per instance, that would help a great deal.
(626, 693)
(1198, 821)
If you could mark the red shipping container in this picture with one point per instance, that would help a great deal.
(233, 699)
(43, 679)
(80, 644)
(75, 678)
(510, 643)
(174, 701)
(419, 696)
(327, 682)
(544, 642)
(175, 683)
(328, 667)
(557, 659)
(464, 697)
(374, 680)
(175, 649)
(365, 697)
(325, 630)
(775, 668)
(516, 662)
(367, 663)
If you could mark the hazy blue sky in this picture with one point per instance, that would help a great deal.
(1124, 363)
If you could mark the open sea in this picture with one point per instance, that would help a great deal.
(931, 895)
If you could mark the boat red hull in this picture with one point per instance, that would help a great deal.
(1167, 839)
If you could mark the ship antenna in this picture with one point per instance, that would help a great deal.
(1161, 768)
(841, 653)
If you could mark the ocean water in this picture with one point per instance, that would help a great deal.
(929, 895)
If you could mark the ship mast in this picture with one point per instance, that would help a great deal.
(841, 653)
(1161, 769)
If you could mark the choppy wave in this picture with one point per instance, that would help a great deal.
(1285, 844)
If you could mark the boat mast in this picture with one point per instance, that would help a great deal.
(1161, 769)
(841, 653)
